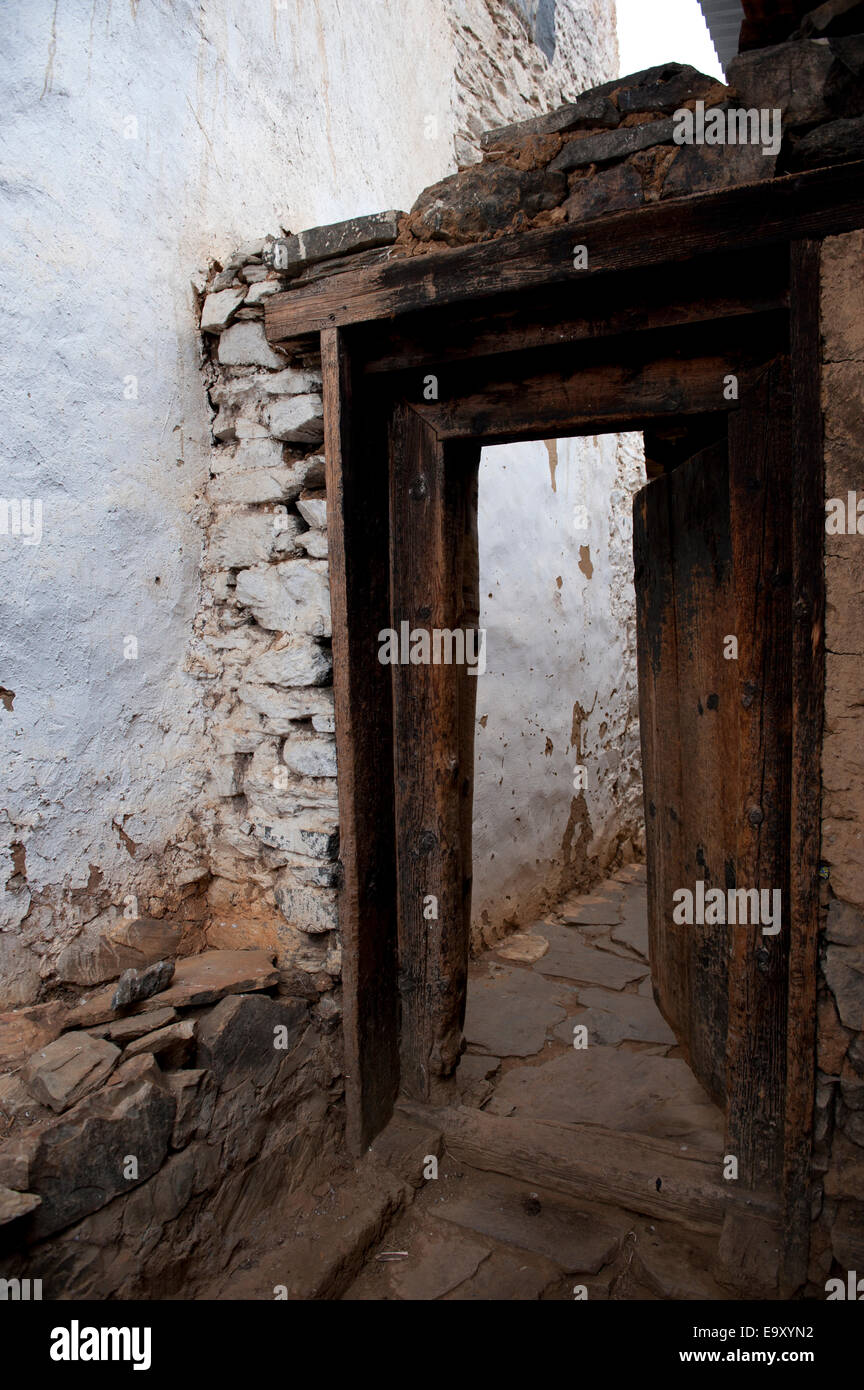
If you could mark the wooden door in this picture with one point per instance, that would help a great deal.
(688, 719)
(712, 545)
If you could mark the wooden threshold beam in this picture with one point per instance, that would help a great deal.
(587, 1162)
(818, 203)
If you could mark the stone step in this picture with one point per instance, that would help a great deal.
(318, 1244)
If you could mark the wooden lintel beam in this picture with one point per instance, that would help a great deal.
(818, 203)
(707, 290)
(592, 400)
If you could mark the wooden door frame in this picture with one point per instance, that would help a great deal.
(522, 350)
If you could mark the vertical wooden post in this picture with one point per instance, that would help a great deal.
(355, 441)
(806, 461)
(433, 563)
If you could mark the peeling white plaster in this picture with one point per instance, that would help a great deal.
(141, 141)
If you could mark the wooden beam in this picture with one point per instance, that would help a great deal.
(357, 507)
(590, 400)
(705, 290)
(817, 203)
(808, 693)
(587, 1161)
(434, 586)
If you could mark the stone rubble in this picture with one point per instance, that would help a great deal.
(600, 141)
(135, 985)
(68, 1069)
(139, 1135)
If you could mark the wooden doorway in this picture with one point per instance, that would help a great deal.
(516, 356)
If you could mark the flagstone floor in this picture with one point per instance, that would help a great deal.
(378, 1230)
(473, 1235)
(585, 967)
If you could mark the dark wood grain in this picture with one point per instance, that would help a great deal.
(586, 399)
(588, 1162)
(685, 608)
(705, 290)
(759, 453)
(357, 524)
(434, 586)
(806, 462)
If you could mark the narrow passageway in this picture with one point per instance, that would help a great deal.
(475, 1233)
(526, 1055)
(556, 1172)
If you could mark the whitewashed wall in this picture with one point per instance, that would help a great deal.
(142, 140)
(560, 688)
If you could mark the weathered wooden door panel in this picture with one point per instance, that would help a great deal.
(760, 450)
(686, 607)
(434, 579)
(711, 547)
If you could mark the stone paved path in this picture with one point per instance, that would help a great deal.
(472, 1235)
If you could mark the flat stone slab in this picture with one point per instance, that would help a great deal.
(631, 1091)
(174, 1043)
(97, 1009)
(335, 239)
(126, 1030)
(524, 947)
(509, 1011)
(613, 144)
(844, 971)
(474, 1077)
(506, 1276)
(200, 979)
(572, 959)
(587, 112)
(677, 1267)
(610, 1018)
(60, 1074)
(632, 931)
(14, 1204)
(588, 931)
(77, 1161)
(127, 945)
(500, 1107)
(438, 1260)
(505, 1211)
(631, 873)
(601, 909)
(23, 1031)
